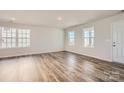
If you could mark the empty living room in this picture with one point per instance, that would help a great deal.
(61, 46)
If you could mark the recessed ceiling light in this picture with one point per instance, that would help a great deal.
(13, 19)
(59, 18)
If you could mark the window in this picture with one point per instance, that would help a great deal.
(12, 37)
(23, 38)
(71, 38)
(8, 37)
(88, 37)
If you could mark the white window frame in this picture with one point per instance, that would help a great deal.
(89, 37)
(23, 37)
(9, 37)
(71, 38)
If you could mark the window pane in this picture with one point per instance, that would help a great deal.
(28, 40)
(92, 33)
(28, 43)
(86, 34)
(24, 44)
(24, 40)
(86, 40)
(71, 36)
(92, 42)
(3, 40)
(19, 31)
(9, 33)
(28, 35)
(23, 35)
(88, 37)
(20, 40)
(13, 39)
(19, 44)
(3, 33)
(9, 45)
(12, 36)
(13, 32)
(71, 40)
(20, 35)
(13, 44)
(3, 45)
(8, 40)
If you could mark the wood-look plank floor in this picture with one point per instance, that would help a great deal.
(59, 67)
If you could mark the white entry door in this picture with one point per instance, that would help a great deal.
(118, 42)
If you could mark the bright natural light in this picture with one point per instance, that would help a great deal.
(88, 37)
(71, 38)
(12, 37)
(23, 38)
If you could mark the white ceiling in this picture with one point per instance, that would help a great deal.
(49, 17)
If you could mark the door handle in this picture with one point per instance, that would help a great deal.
(114, 45)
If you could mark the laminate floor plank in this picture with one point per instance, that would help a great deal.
(59, 67)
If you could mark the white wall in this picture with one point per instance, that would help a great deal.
(43, 40)
(103, 40)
